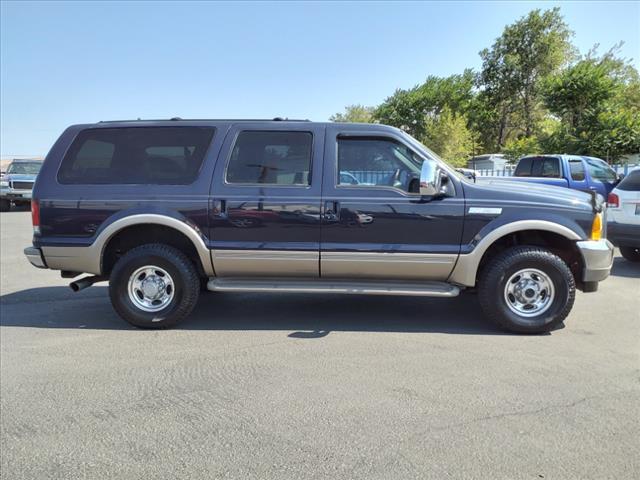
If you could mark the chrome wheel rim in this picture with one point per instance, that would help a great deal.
(529, 292)
(151, 288)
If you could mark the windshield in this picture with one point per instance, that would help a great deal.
(25, 168)
(600, 170)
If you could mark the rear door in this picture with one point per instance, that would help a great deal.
(375, 224)
(265, 200)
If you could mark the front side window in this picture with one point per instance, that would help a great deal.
(378, 162)
(271, 157)
(576, 168)
(136, 155)
(599, 170)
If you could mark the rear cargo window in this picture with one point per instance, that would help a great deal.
(275, 158)
(550, 168)
(631, 182)
(136, 155)
(524, 168)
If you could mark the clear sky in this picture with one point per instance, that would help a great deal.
(76, 62)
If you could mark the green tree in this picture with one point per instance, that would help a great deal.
(411, 109)
(598, 103)
(354, 114)
(512, 70)
(447, 135)
(515, 149)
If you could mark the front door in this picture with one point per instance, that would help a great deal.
(603, 177)
(265, 201)
(375, 223)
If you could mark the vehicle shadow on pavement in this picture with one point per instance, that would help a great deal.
(302, 316)
(625, 268)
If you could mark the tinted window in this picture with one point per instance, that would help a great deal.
(376, 162)
(136, 155)
(599, 170)
(275, 158)
(576, 168)
(631, 182)
(524, 167)
(550, 168)
(545, 167)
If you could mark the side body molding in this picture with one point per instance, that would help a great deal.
(464, 273)
(89, 259)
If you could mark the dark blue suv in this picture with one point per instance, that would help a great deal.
(164, 209)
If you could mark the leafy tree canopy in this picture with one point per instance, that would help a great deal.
(533, 94)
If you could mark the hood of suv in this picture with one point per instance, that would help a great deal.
(505, 190)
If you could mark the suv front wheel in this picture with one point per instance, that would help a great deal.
(526, 290)
(154, 286)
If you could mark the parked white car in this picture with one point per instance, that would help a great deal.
(623, 221)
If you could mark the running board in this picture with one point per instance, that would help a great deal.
(422, 289)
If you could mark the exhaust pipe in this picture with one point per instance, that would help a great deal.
(86, 282)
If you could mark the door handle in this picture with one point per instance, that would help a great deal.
(219, 208)
(331, 210)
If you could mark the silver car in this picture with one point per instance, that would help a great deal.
(17, 183)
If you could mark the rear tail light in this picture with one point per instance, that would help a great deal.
(613, 201)
(35, 216)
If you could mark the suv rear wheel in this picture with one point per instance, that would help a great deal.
(631, 253)
(154, 286)
(526, 290)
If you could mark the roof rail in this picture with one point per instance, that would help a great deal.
(285, 119)
(176, 119)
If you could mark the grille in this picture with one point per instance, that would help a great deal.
(22, 185)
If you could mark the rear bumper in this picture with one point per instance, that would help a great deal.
(34, 255)
(623, 234)
(597, 256)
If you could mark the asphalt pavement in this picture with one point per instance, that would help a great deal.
(260, 386)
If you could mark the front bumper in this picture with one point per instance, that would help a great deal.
(597, 256)
(13, 194)
(623, 234)
(34, 255)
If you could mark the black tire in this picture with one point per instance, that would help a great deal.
(5, 205)
(493, 281)
(181, 270)
(631, 253)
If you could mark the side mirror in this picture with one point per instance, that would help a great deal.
(430, 179)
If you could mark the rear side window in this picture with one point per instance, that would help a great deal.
(273, 158)
(576, 168)
(136, 155)
(524, 167)
(631, 182)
